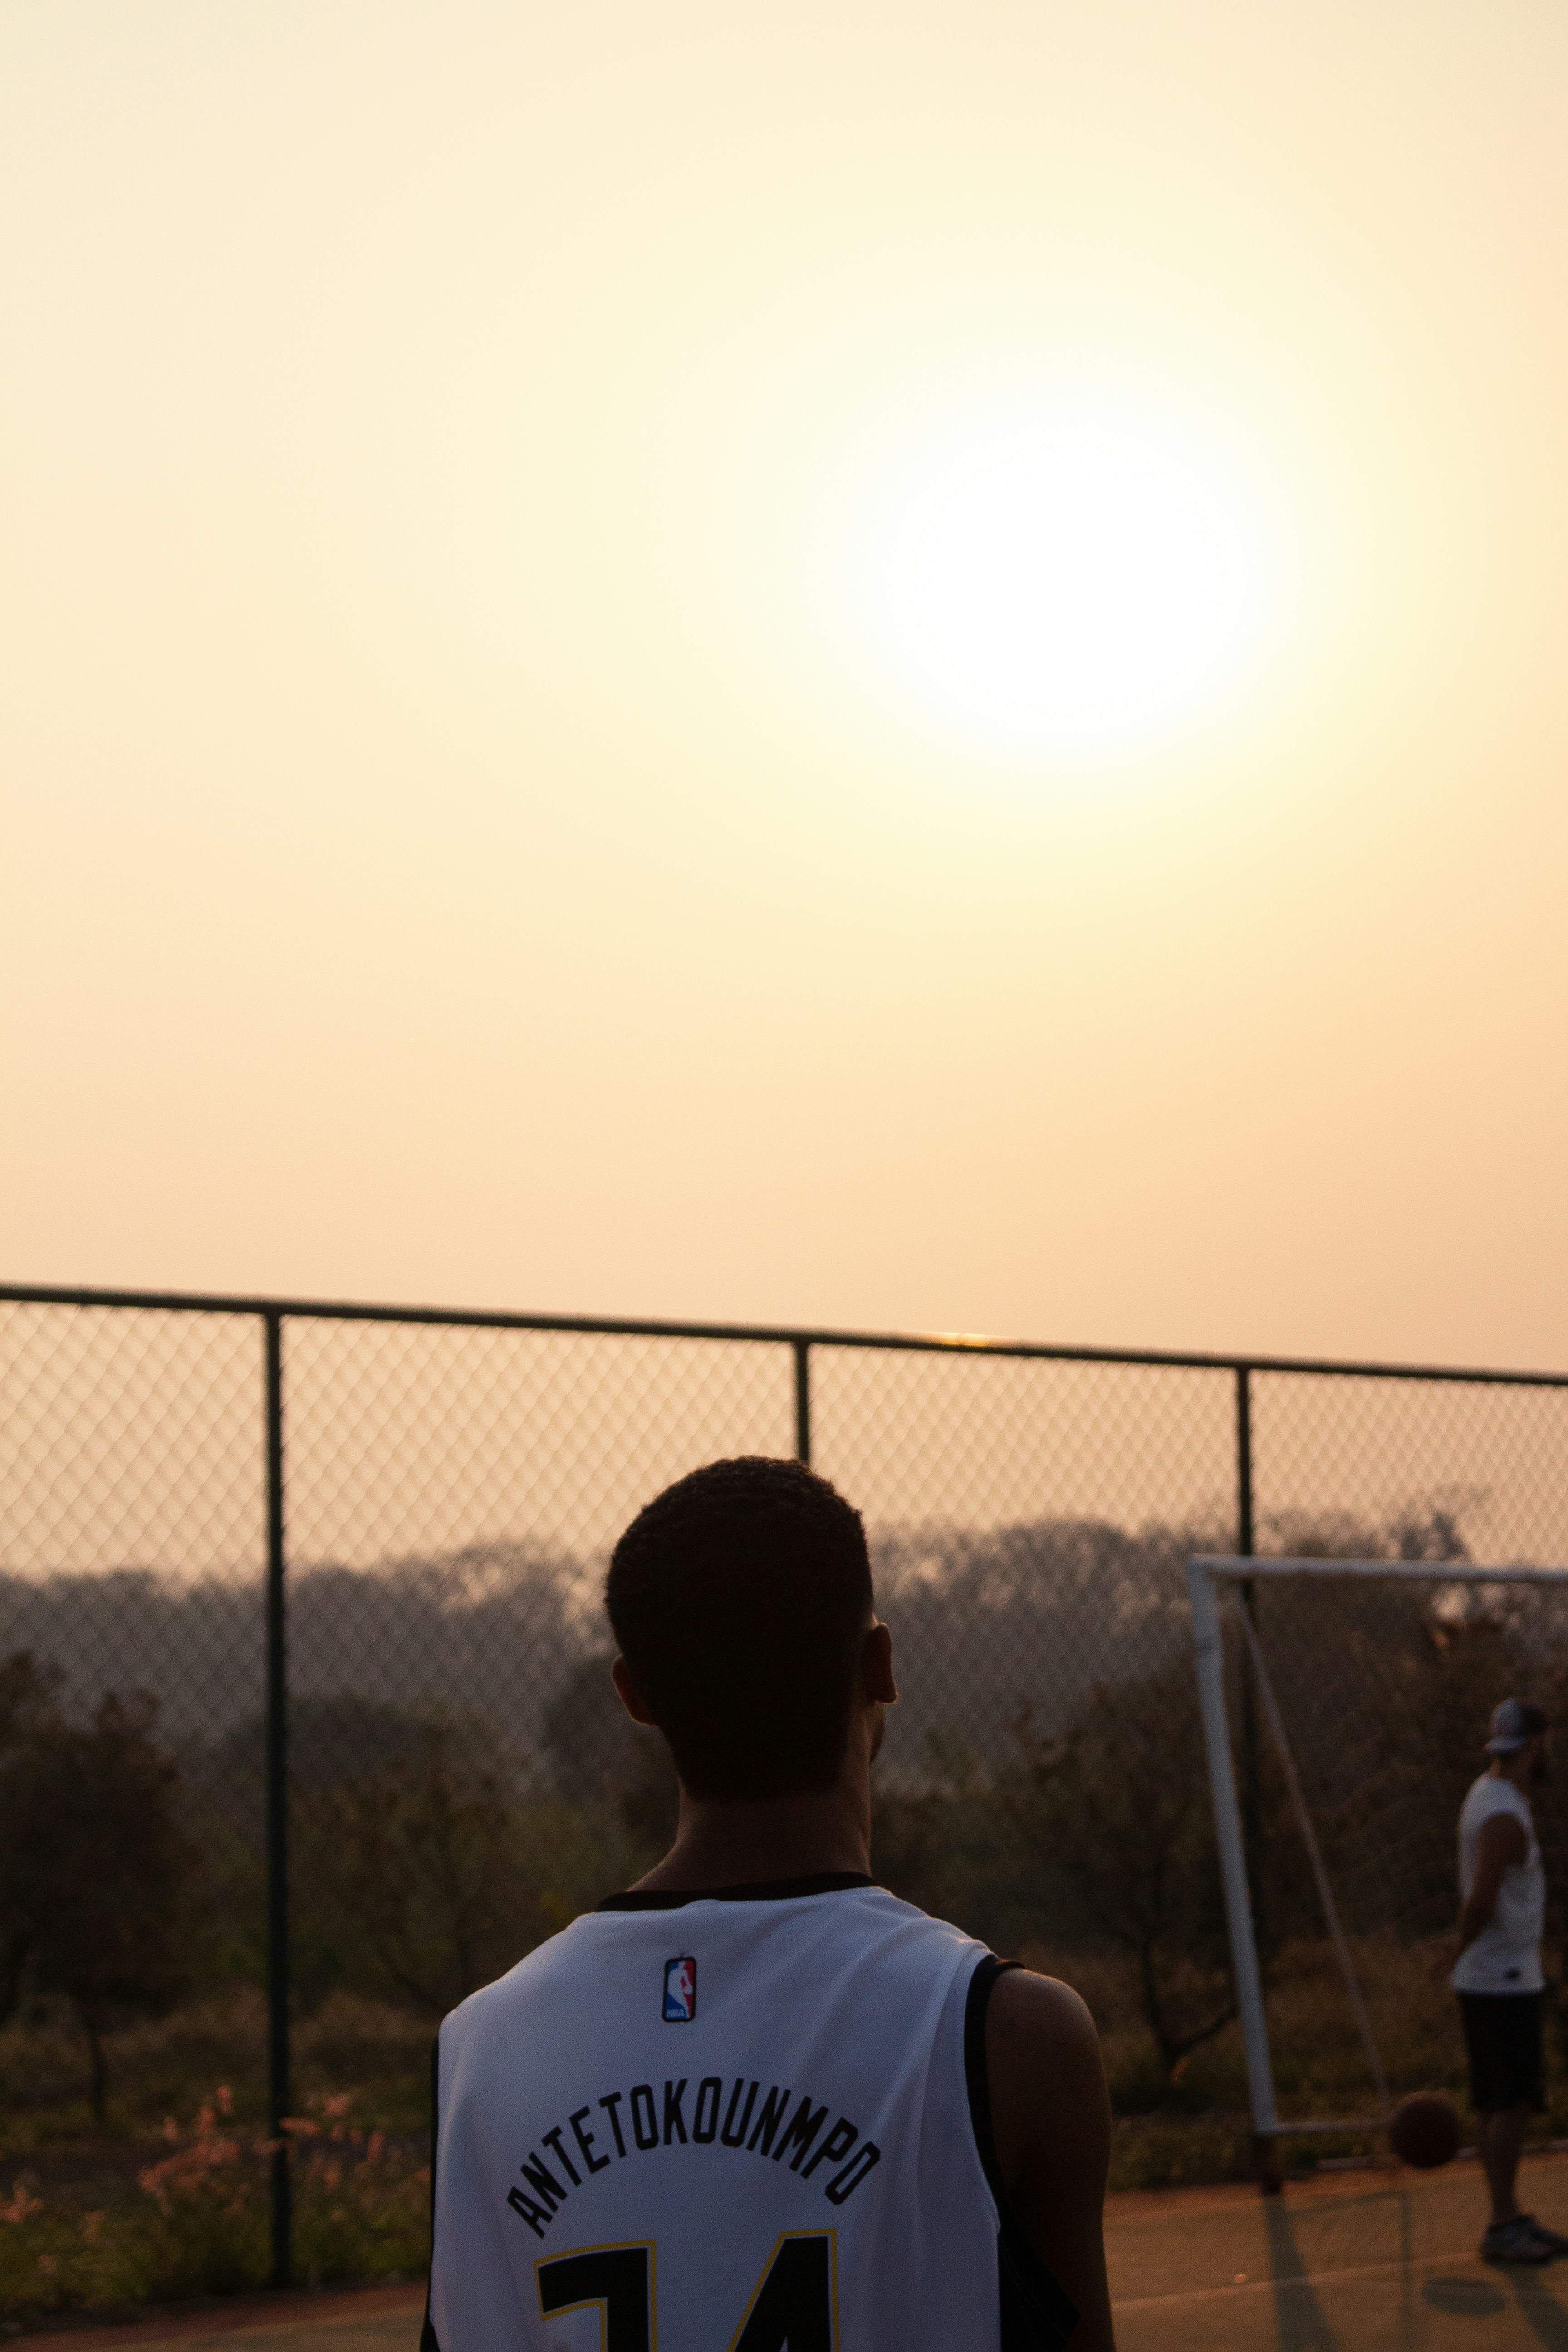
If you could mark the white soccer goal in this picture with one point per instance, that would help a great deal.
(1359, 1690)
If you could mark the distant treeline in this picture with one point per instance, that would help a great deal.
(1034, 1614)
(463, 1779)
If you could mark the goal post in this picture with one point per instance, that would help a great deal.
(1336, 1683)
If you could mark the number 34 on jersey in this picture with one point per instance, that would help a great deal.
(795, 2303)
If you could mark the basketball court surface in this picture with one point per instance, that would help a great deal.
(1358, 2261)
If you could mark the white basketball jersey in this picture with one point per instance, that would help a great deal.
(1505, 1956)
(742, 2122)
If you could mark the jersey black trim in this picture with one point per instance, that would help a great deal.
(1038, 2315)
(428, 2340)
(760, 1890)
(974, 2074)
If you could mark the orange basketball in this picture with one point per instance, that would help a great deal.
(1424, 2130)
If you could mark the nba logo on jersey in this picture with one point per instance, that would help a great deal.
(680, 1990)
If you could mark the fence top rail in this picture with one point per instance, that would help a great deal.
(1429, 1571)
(957, 1343)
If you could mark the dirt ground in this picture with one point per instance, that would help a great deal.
(1357, 2262)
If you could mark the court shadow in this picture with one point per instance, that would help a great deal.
(1464, 2298)
(1300, 2323)
(1545, 2315)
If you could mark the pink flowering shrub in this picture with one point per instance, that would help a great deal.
(361, 2209)
(208, 2233)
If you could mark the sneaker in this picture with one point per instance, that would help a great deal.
(1517, 2241)
(1551, 2238)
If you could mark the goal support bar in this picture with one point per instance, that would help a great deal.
(1210, 1649)
(1205, 1574)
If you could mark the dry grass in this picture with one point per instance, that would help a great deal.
(193, 2220)
(160, 2069)
(1194, 2127)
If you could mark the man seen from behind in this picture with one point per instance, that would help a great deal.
(756, 2103)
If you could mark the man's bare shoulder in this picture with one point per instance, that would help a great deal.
(1032, 2014)
(1050, 2119)
(1044, 2069)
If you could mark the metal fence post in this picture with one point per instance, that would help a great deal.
(803, 1401)
(279, 2101)
(1251, 1756)
(1244, 1467)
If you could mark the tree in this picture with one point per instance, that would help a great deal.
(421, 1864)
(27, 1714)
(1120, 1803)
(96, 1867)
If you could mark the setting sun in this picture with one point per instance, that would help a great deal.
(1070, 573)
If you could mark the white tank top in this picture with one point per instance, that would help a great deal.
(1506, 1954)
(738, 2122)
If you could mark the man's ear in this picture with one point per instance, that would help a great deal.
(631, 1698)
(877, 1667)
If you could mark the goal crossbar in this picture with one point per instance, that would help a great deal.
(1206, 1574)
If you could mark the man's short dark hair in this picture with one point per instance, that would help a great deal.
(740, 1599)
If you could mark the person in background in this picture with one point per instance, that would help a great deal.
(1497, 1973)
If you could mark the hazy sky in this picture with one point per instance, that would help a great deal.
(567, 745)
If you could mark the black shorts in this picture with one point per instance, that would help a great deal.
(1502, 2042)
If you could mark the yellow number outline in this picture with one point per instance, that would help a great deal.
(832, 2237)
(592, 2302)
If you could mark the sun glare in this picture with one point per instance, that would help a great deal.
(1073, 575)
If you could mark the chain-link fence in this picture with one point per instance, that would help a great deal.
(314, 1591)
